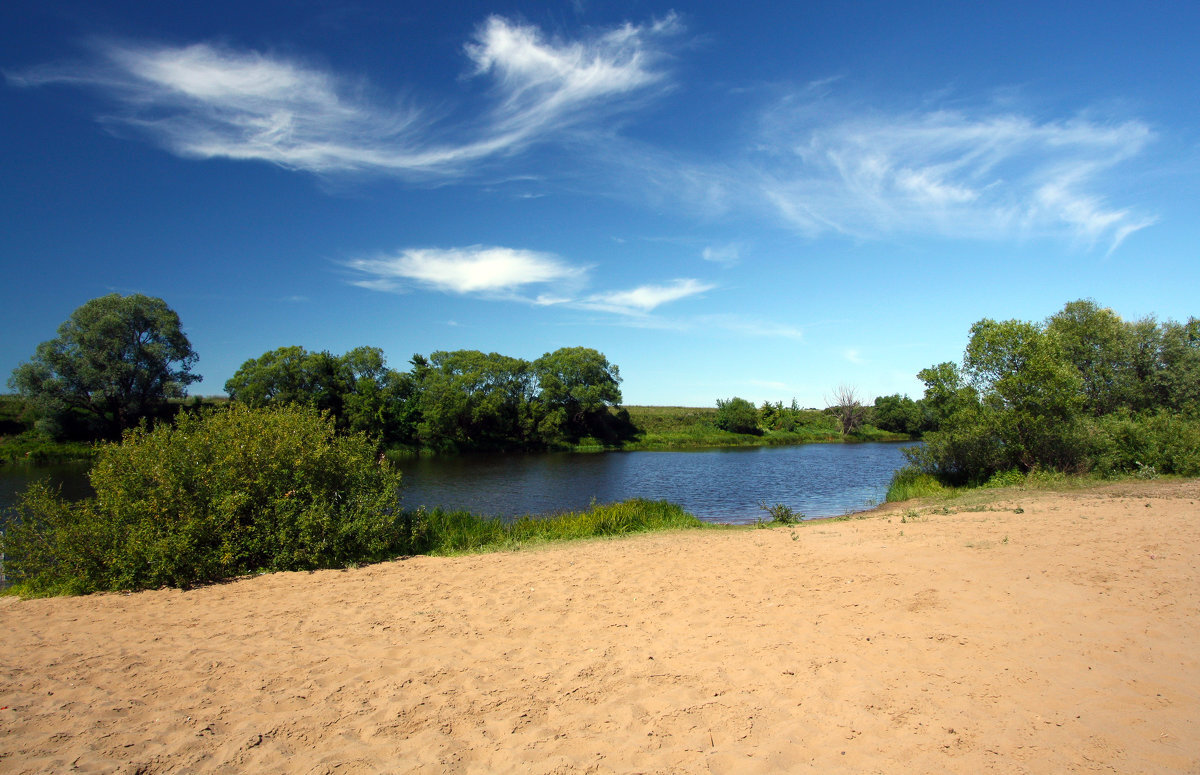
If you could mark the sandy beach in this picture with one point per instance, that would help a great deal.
(1037, 633)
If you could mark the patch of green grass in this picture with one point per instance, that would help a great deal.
(458, 532)
(909, 483)
(34, 448)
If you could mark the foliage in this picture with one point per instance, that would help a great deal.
(36, 448)
(472, 400)
(737, 415)
(115, 361)
(459, 400)
(356, 388)
(1163, 442)
(228, 492)
(577, 388)
(911, 482)
(899, 414)
(1084, 390)
(781, 514)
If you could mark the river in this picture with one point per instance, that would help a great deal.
(719, 485)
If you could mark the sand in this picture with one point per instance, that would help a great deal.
(1064, 638)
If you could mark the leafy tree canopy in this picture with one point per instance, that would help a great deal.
(116, 360)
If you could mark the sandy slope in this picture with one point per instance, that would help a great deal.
(1062, 639)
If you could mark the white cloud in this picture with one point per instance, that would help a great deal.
(475, 270)
(207, 101)
(854, 356)
(722, 254)
(947, 173)
(645, 298)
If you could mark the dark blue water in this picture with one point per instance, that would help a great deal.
(726, 485)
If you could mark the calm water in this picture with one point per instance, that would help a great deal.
(817, 480)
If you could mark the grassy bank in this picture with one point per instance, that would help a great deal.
(679, 427)
(459, 532)
(911, 484)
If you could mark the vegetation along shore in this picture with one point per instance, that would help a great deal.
(292, 471)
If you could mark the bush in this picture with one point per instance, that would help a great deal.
(781, 514)
(1146, 444)
(214, 495)
(737, 415)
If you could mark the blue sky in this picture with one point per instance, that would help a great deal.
(766, 200)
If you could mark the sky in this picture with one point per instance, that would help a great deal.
(764, 200)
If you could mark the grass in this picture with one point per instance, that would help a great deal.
(459, 532)
(33, 448)
(682, 427)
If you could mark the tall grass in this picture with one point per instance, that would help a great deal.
(910, 482)
(456, 532)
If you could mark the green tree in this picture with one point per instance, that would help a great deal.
(898, 414)
(576, 388)
(1098, 344)
(115, 361)
(357, 389)
(474, 400)
(1021, 373)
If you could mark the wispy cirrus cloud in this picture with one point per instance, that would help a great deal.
(727, 255)
(953, 173)
(207, 101)
(476, 270)
(645, 298)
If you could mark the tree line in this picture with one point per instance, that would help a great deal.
(119, 361)
(452, 400)
(1083, 390)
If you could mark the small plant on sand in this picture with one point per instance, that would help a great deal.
(781, 514)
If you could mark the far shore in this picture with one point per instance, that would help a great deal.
(1002, 631)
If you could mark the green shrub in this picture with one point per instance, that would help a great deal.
(737, 415)
(214, 495)
(781, 514)
(1010, 478)
(1146, 444)
(911, 482)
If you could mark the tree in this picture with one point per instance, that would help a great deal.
(357, 388)
(1098, 344)
(847, 409)
(116, 360)
(577, 386)
(898, 414)
(474, 400)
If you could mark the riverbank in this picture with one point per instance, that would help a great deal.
(1034, 631)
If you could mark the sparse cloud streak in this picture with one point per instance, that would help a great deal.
(645, 298)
